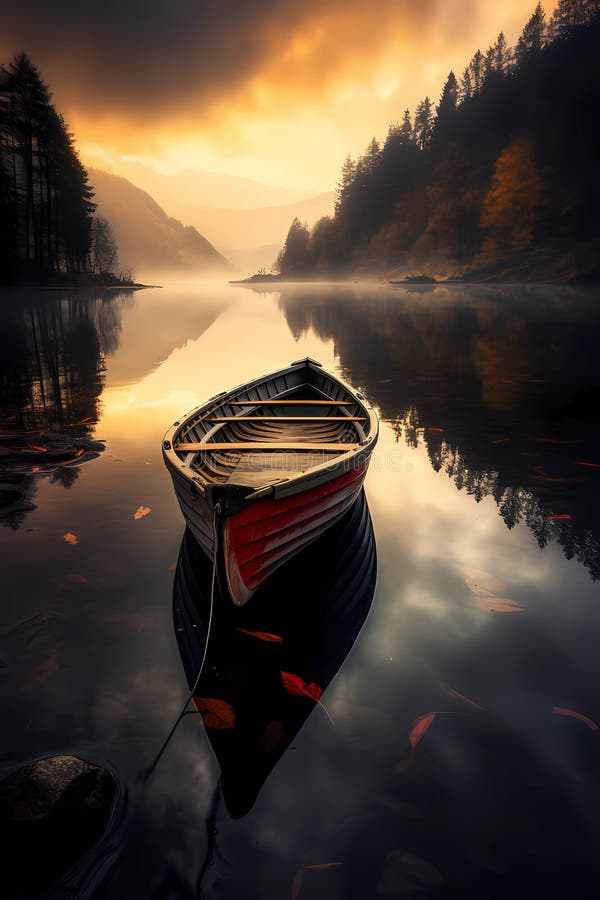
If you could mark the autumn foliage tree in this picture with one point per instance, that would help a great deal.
(517, 196)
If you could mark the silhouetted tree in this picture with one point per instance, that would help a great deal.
(104, 248)
(47, 200)
(423, 127)
(447, 106)
(346, 181)
(406, 129)
(477, 71)
(569, 15)
(295, 257)
(532, 37)
(466, 86)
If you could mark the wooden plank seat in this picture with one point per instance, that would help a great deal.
(262, 447)
(282, 419)
(291, 403)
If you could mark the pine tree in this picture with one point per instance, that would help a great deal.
(569, 15)
(423, 127)
(448, 103)
(532, 37)
(466, 86)
(104, 248)
(345, 183)
(476, 70)
(502, 55)
(406, 129)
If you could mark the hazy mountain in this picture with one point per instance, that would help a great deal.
(183, 194)
(246, 220)
(253, 237)
(149, 240)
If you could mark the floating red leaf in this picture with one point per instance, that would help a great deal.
(42, 672)
(458, 696)
(132, 621)
(429, 428)
(559, 516)
(262, 636)
(542, 475)
(76, 578)
(299, 876)
(142, 511)
(499, 604)
(81, 422)
(419, 729)
(215, 713)
(71, 538)
(296, 685)
(563, 711)
(273, 735)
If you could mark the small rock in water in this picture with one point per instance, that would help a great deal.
(52, 811)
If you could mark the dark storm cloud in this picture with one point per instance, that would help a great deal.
(152, 57)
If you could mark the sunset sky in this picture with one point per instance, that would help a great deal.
(275, 90)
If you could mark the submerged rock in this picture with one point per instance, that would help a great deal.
(52, 811)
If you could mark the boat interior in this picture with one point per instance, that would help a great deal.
(273, 429)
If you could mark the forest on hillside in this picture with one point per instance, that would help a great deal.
(500, 179)
(47, 222)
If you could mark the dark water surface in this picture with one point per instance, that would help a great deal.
(484, 497)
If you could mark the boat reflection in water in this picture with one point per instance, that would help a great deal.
(268, 662)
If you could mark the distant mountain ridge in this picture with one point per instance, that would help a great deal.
(149, 240)
(193, 188)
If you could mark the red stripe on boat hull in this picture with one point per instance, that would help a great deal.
(262, 537)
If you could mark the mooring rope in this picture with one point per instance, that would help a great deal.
(194, 688)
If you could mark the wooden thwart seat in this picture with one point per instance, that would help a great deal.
(291, 403)
(262, 447)
(282, 419)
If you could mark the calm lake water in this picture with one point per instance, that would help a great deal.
(484, 497)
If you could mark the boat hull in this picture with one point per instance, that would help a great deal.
(255, 541)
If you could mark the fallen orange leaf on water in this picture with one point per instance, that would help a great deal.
(563, 711)
(499, 604)
(76, 578)
(215, 713)
(262, 636)
(542, 475)
(132, 620)
(296, 685)
(142, 511)
(299, 876)
(70, 538)
(81, 422)
(272, 736)
(419, 729)
(458, 696)
(42, 672)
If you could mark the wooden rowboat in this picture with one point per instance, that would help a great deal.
(262, 470)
